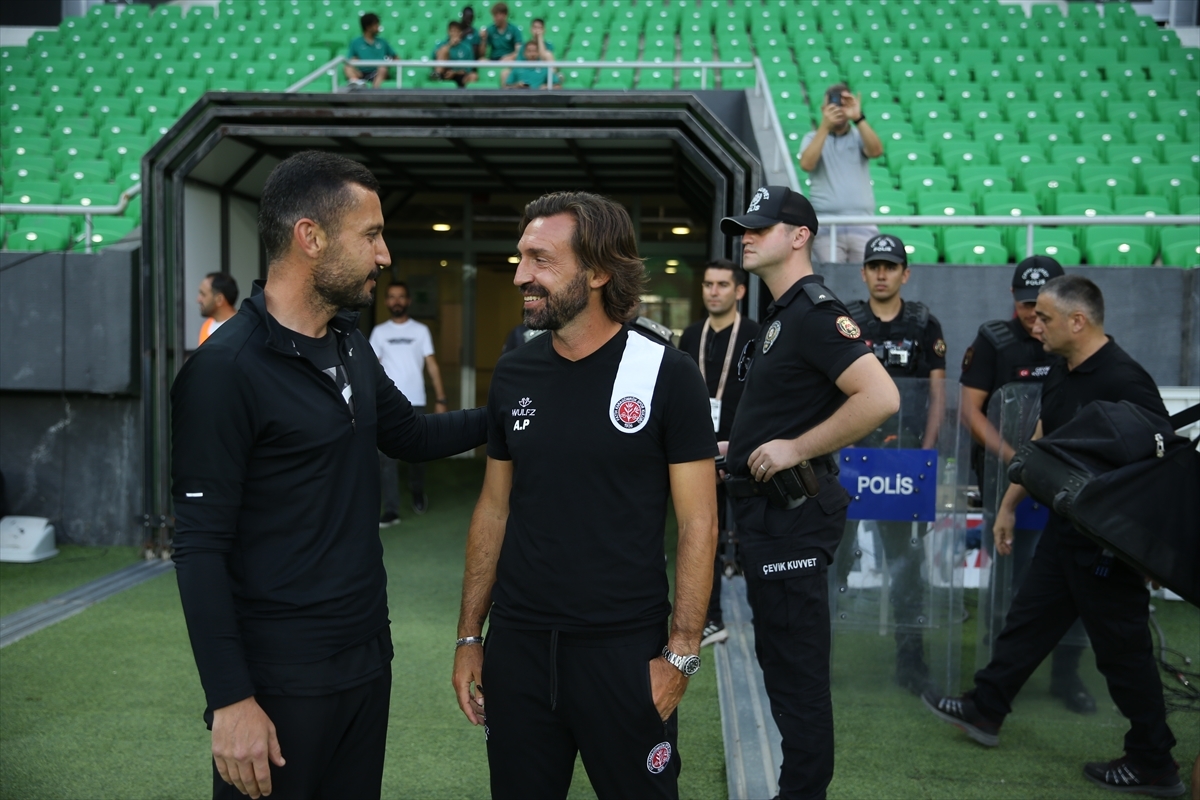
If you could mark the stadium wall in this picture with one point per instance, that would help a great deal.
(71, 440)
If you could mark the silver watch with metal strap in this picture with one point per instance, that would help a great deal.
(688, 665)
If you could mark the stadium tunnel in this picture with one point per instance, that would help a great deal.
(456, 170)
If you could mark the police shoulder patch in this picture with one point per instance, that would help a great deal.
(939, 348)
(967, 356)
(848, 327)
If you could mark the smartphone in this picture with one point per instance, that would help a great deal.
(835, 98)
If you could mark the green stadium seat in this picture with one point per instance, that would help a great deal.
(1084, 204)
(945, 204)
(915, 181)
(975, 246)
(1122, 247)
(92, 194)
(1180, 247)
(1165, 181)
(1015, 157)
(908, 154)
(1010, 204)
(978, 180)
(1142, 205)
(1058, 243)
(21, 147)
(1047, 182)
(22, 128)
(40, 234)
(959, 154)
(614, 79)
(890, 202)
(1101, 135)
(82, 171)
(1107, 179)
(656, 79)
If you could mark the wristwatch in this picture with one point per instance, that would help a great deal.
(688, 665)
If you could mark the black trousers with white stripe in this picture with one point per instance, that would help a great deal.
(551, 695)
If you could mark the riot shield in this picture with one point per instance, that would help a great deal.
(896, 582)
(1013, 413)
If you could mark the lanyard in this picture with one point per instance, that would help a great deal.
(737, 321)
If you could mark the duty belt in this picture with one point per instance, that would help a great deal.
(788, 488)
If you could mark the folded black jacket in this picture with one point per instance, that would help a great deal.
(276, 491)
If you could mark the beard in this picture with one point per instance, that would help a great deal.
(560, 307)
(339, 284)
(398, 310)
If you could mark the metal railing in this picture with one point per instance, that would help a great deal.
(762, 88)
(87, 212)
(552, 68)
(1029, 223)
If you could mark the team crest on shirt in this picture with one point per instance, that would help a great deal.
(848, 328)
(629, 412)
(967, 356)
(660, 756)
(523, 413)
(771, 335)
(939, 348)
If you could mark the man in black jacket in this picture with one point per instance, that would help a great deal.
(275, 425)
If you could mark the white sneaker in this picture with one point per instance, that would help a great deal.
(714, 633)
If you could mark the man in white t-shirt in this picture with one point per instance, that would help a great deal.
(405, 349)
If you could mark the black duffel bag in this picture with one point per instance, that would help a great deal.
(1125, 479)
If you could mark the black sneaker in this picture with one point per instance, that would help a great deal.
(1074, 695)
(389, 519)
(961, 711)
(420, 503)
(714, 633)
(1122, 775)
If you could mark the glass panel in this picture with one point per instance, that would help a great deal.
(896, 582)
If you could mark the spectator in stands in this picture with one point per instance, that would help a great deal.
(217, 297)
(470, 33)
(528, 77)
(537, 33)
(454, 48)
(835, 156)
(501, 39)
(369, 47)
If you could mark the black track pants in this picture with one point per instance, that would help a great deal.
(333, 744)
(1060, 587)
(549, 695)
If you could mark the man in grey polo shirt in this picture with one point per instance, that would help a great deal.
(835, 156)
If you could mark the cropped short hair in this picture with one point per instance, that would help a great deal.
(1076, 293)
(603, 241)
(500, 8)
(224, 285)
(368, 20)
(740, 276)
(311, 184)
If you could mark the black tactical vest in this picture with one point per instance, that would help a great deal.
(901, 354)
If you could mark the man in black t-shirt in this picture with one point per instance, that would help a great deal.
(591, 429)
(812, 387)
(1007, 351)
(276, 422)
(907, 340)
(1071, 577)
(721, 336)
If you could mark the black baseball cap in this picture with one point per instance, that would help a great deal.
(1031, 275)
(771, 205)
(885, 247)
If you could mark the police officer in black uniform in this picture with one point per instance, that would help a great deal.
(812, 387)
(1071, 578)
(907, 340)
(1006, 351)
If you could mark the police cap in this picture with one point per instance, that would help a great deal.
(771, 205)
(1031, 274)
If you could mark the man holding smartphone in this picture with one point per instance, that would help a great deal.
(836, 157)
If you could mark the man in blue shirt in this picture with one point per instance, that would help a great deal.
(501, 39)
(454, 48)
(528, 76)
(369, 47)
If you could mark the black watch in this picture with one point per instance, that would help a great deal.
(863, 118)
(688, 665)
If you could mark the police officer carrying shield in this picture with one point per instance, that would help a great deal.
(1006, 351)
(811, 387)
(908, 342)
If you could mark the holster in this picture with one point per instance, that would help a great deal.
(789, 488)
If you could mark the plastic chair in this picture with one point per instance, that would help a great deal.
(1058, 243)
(919, 243)
(34, 234)
(915, 181)
(1180, 247)
(890, 202)
(974, 246)
(1126, 251)
(1165, 181)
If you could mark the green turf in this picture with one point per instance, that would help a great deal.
(107, 704)
(22, 585)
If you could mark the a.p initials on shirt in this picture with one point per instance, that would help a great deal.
(524, 414)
